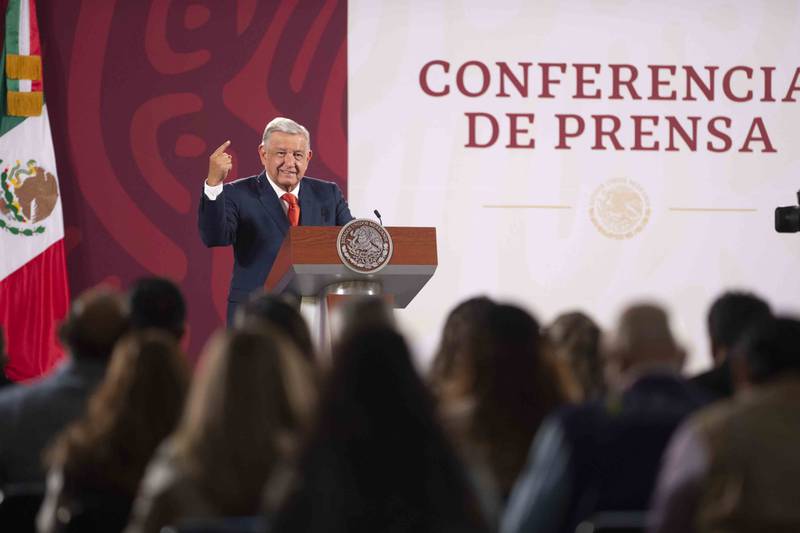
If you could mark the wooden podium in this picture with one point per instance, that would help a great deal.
(308, 265)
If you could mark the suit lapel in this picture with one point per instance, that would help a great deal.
(309, 205)
(271, 204)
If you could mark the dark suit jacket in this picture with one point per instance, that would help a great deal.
(249, 216)
(32, 415)
(617, 444)
(599, 456)
(716, 381)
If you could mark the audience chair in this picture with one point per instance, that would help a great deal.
(614, 522)
(19, 504)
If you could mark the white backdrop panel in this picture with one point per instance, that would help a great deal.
(515, 223)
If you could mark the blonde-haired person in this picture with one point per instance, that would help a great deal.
(96, 464)
(250, 402)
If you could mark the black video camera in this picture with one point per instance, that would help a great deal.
(787, 219)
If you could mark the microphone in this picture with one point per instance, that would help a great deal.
(379, 216)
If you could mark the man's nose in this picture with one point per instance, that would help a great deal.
(288, 159)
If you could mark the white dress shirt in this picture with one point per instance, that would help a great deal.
(212, 192)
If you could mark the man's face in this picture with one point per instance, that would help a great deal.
(285, 157)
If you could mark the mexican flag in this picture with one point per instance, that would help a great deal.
(34, 295)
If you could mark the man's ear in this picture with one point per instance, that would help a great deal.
(740, 373)
(718, 353)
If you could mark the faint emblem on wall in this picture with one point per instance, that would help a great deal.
(28, 195)
(619, 208)
(364, 246)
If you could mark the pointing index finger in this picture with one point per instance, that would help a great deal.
(222, 148)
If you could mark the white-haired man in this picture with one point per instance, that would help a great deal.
(253, 214)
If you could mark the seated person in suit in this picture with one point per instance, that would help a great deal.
(254, 214)
(604, 455)
(729, 318)
(34, 414)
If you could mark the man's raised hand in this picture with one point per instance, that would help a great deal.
(219, 164)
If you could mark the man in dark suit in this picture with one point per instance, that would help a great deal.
(603, 456)
(730, 316)
(253, 214)
(32, 415)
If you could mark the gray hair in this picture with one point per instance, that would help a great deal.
(285, 125)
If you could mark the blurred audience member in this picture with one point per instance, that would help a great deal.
(97, 463)
(733, 466)
(157, 303)
(500, 388)
(575, 342)
(361, 312)
(278, 313)
(3, 361)
(377, 459)
(251, 399)
(604, 455)
(33, 414)
(729, 317)
(462, 329)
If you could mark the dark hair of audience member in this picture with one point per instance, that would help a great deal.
(730, 315)
(363, 312)
(461, 329)
(135, 407)
(276, 311)
(250, 401)
(95, 322)
(575, 344)
(511, 386)
(157, 303)
(770, 349)
(377, 460)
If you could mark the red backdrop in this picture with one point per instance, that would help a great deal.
(140, 93)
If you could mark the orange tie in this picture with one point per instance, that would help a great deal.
(294, 210)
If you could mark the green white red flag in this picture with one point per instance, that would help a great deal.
(34, 295)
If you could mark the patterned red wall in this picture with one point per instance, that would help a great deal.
(141, 92)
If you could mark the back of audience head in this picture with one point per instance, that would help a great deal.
(575, 341)
(279, 313)
(515, 388)
(377, 459)
(492, 369)
(461, 329)
(134, 408)
(769, 350)
(641, 342)
(95, 322)
(373, 378)
(729, 316)
(250, 401)
(360, 313)
(157, 303)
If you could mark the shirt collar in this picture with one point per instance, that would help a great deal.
(280, 192)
